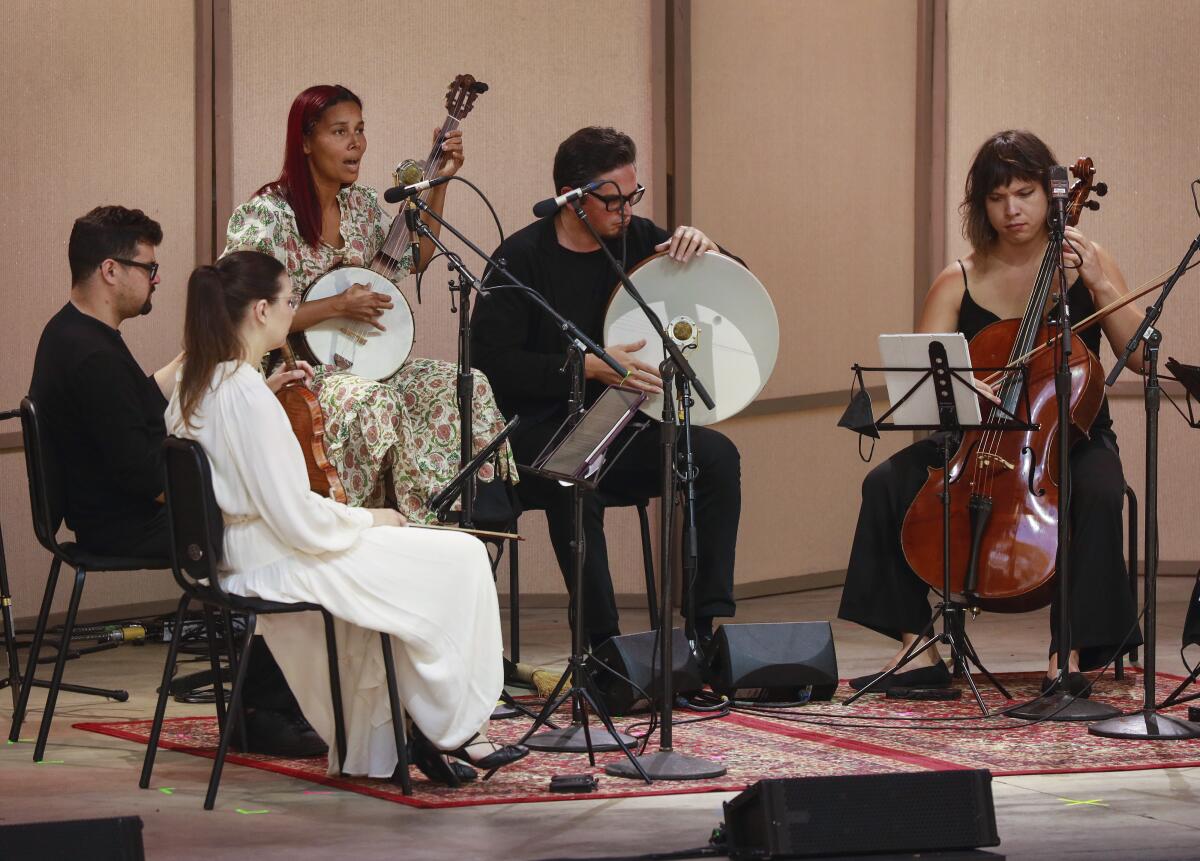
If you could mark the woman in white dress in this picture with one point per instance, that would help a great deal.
(431, 591)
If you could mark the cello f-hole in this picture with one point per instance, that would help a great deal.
(1031, 470)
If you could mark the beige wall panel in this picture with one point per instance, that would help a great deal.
(113, 88)
(1123, 92)
(803, 124)
(547, 79)
(801, 476)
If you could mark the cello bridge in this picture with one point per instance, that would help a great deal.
(990, 459)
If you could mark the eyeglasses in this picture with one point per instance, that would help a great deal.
(151, 268)
(293, 302)
(617, 202)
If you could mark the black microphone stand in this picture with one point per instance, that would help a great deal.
(1149, 723)
(667, 763)
(1059, 705)
(578, 736)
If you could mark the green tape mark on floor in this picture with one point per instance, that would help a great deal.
(251, 812)
(50, 762)
(1092, 802)
(166, 790)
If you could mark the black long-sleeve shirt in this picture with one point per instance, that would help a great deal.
(104, 417)
(517, 344)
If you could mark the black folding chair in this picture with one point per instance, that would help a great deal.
(46, 504)
(197, 534)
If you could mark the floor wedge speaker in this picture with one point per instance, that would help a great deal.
(630, 656)
(118, 839)
(774, 661)
(826, 817)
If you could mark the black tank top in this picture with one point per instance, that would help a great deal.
(973, 317)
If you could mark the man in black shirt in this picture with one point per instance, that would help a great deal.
(104, 417)
(523, 353)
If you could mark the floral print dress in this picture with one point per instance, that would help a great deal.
(408, 423)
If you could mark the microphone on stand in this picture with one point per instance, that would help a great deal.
(403, 192)
(1059, 188)
(551, 205)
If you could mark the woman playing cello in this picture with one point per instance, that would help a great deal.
(1004, 214)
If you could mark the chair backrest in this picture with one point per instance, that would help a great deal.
(196, 526)
(46, 490)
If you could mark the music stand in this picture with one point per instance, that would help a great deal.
(577, 455)
(945, 417)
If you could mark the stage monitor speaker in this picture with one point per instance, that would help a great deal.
(774, 661)
(118, 839)
(632, 655)
(858, 814)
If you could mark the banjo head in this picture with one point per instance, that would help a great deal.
(358, 347)
(714, 303)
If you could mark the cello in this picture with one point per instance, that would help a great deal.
(308, 424)
(1003, 487)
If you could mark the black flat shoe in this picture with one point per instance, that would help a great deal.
(500, 756)
(1075, 684)
(936, 676)
(278, 732)
(430, 762)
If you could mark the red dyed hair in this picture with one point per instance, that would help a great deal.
(295, 181)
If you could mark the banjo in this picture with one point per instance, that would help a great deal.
(356, 346)
(717, 312)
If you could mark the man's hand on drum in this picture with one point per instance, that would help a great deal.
(282, 376)
(641, 376)
(361, 303)
(452, 151)
(686, 243)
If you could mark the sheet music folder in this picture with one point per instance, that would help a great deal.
(576, 454)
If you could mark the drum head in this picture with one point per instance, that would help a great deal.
(359, 347)
(717, 304)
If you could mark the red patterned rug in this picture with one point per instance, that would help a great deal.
(874, 735)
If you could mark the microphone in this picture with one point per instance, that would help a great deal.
(551, 205)
(403, 192)
(1059, 183)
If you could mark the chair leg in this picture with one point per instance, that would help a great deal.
(231, 721)
(10, 632)
(389, 664)
(35, 649)
(514, 601)
(214, 664)
(160, 709)
(648, 566)
(335, 688)
(39, 749)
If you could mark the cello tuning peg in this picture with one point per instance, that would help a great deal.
(1100, 189)
(1092, 205)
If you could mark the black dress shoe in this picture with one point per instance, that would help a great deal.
(936, 676)
(279, 733)
(461, 771)
(1075, 684)
(500, 756)
(430, 762)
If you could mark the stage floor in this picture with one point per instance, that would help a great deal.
(1144, 814)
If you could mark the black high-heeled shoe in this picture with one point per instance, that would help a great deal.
(1076, 684)
(500, 756)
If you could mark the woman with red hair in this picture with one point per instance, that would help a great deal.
(316, 216)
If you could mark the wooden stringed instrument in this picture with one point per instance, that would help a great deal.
(359, 347)
(1003, 486)
(308, 424)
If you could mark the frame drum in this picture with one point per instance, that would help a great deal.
(716, 304)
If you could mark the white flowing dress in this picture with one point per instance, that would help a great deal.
(431, 591)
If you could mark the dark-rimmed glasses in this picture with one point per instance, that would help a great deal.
(152, 268)
(617, 202)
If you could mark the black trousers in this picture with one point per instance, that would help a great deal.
(265, 687)
(883, 593)
(636, 473)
